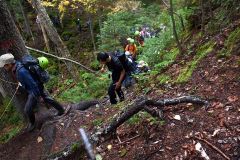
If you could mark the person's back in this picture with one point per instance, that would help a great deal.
(132, 48)
(118, 75)
(31, 84)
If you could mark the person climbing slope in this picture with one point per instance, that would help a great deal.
(31, 83)
(139, 38)
(132, 49)
(118, 75)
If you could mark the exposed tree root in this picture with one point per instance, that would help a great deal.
(85, 105)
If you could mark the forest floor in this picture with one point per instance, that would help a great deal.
(142, 138)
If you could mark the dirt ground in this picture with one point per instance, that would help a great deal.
(216, 80)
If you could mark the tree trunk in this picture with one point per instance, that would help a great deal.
(174, 27)
(202, 17)
(92, 36)
(26, 22)
(10, 41)
(52, 33)
(46, 40)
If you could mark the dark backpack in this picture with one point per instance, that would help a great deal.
(32, 65)
(127, 65)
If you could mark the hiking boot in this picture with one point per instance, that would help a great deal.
(31, 127)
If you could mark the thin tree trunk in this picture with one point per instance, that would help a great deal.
(11, 41)
(202, 17)
(178, 15)
(174, 28)
(46, 40)
(26, 22)
(52, 33)
(92, 35)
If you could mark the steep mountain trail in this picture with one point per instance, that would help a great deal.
(173, 137)
(216, 80)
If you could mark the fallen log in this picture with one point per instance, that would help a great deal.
(126, 114)
(85, 105)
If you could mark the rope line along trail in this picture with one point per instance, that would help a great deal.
(63, 59)
(18, 85)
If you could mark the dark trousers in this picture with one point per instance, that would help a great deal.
(33, 100)
(112, 93)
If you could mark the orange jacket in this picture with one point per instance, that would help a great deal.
(132, 48)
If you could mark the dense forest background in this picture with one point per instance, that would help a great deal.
(188, 36)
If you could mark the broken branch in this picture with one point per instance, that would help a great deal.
(212, 146)
(139, 105)
(62, 58)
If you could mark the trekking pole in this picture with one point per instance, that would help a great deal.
(87, 144)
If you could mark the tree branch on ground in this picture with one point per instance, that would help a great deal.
(142, 103)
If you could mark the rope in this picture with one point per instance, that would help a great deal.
(9, 102)
(8, 81)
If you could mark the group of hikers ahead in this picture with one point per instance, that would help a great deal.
(31, 75)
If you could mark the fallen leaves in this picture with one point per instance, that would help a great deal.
(232, 98)
(39, 139)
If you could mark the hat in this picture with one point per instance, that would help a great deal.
(6, 59)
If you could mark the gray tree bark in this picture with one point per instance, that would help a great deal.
(174, 27)
(26, 21)
(10, 41)
(203, 16)
(52, 33)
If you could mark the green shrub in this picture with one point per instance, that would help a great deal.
(186, 72)
(231, 43)
(163, 78)
(13, 132)
(89, 86)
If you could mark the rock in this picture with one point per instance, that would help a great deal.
(200, 149)
(189, 120)
(98, 157)
(215, 132)
(39, 139)
(177, 117)
(222, 141)
(109, 147)
(227, 108)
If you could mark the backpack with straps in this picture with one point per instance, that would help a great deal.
(127, 65)
(37, 72)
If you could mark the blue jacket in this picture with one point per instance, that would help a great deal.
(23, 75)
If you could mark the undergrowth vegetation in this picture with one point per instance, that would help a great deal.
(11, 122)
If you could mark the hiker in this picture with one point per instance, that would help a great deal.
(31, 83)
(143, 67)
(132, 49)
(79, 25)
(144, 32)
(139, 38)
(118, 75)
(124, 41)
